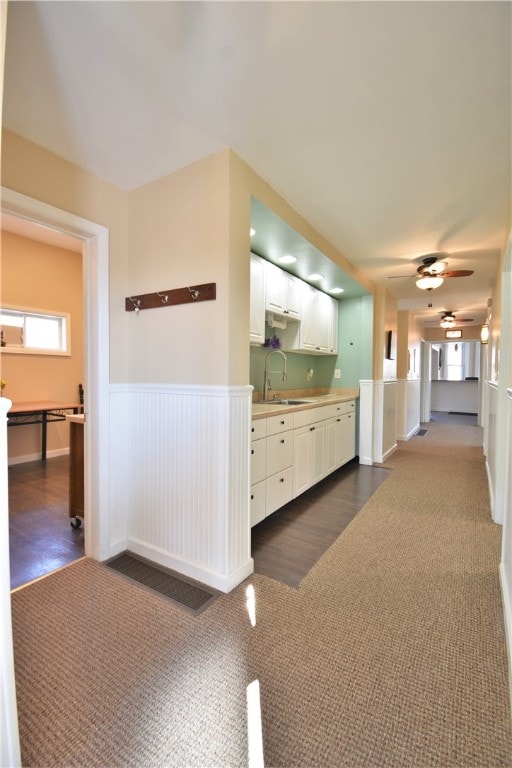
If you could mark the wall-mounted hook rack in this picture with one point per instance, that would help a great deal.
(192, 293)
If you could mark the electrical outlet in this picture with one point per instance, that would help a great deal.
(309, 374)
(337, 373)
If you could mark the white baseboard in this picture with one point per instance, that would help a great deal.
(507, 620)
(37, 456)
(117, 547)
(490, 487)
(388, 453)
(203, 575)
(410, 434)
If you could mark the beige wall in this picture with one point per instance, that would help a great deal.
(409, 345)
(244, 183)
(189, 227)
(32, 171)
(179, 236)
(469, 333)
(385, 318)
(41, 277)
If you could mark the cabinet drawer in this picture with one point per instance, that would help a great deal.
(279, 490)
(311, 415)
(337, 409)
(258, 460)
(258, 429)
(279, 452)
(276, 424)
(258, 503)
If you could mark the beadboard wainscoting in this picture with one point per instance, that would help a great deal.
(377, 423)
(506, 556)
(490, 459)
(180, 479)
(407, 408)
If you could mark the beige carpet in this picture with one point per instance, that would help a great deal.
(390, 653)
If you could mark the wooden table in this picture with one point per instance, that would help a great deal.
(40, 412)
(76, 469)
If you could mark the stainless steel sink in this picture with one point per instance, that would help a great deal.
(276, 401)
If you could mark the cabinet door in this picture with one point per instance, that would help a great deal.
(278, 490)
(301, 460)
(317, 456)
(294, 294)
(333, 327)
(334, 440)
(275, 288)
(258, 460)
(308, 456)
(258, 502)
(324, 322)
(308, 325)
(351, 435)
(279, 452)
(257, 303)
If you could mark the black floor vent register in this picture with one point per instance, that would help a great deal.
(164, 582)
(421, 432)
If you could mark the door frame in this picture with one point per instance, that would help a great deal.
(95, 258)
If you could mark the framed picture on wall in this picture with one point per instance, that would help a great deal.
(389, 340)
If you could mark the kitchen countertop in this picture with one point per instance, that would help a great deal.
(263, 410)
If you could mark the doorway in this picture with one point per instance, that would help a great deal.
(94, 238)
(42, 361)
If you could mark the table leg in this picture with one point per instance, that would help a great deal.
(44, 424)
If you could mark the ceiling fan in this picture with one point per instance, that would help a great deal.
(432, 271)
(448, 320)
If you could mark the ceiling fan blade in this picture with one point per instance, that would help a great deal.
(457, 273)
(395, 277)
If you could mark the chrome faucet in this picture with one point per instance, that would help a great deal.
(266, 385)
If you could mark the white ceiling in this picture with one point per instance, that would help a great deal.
(386, 124)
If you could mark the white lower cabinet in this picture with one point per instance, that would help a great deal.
(308, 456)
(351, 436)
(271, 465)
(278, 490)
(257, 502)
(292, 452)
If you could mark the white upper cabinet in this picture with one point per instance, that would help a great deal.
(327, 330)
(275, 291)
(318, 330)
(282, 292)
(257, 311)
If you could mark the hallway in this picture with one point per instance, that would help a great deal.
(391, 650)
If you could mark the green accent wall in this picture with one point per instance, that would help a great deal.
(354, 359)
(355, 341)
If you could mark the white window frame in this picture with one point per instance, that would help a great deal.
(64, 319)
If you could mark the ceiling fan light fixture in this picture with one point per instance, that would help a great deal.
(429, 282)
(438, 267)
(448, 322)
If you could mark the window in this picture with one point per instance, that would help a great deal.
(34, 332)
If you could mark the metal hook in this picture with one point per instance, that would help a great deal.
(136, 303)
(193, 292)
(163, 296)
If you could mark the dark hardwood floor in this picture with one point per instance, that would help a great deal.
(40, 536)
(286, 545)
